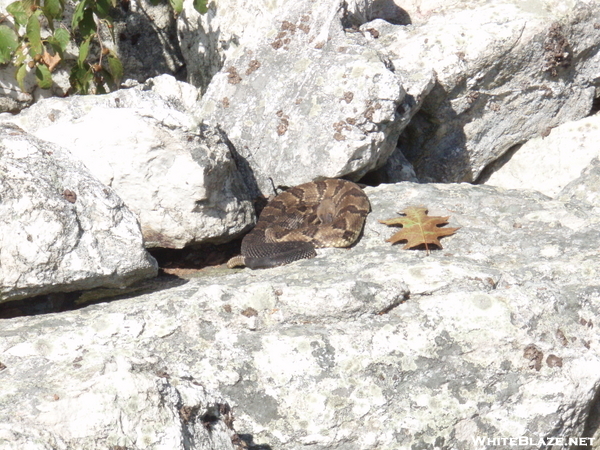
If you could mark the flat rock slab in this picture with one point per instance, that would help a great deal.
(60, 228)
(360, 348)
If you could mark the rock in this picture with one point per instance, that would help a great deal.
(207, 40)
(11, 97)
(506, 72)
(585, 190)
(397, 168)
(61, 230)
(362, 348)
(146, 40)
(181, 180)
(549, 163)
(115, 400)
(308, 100)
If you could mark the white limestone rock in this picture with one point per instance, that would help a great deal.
(507, 71)
(179, 178)
(585, 190)
(115, 399)
(60, 228)
(547, 164)
(308, 100)
(208, 40)
(363, 348)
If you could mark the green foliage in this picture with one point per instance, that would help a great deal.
(33, 32)
(43, 76)
(201, 6)
(177, 5)
(97, 68)
(59, 40)
(8, 43)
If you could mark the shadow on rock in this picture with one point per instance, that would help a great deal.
(68, 301)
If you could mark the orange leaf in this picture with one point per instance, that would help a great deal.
(418, 228)
(51, 61)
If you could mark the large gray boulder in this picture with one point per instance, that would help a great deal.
(114, 400)
(507, 71)
(60, 228)
(484, 77)
(308, 100)
(180, 179)
(372, 347)
(208, 40)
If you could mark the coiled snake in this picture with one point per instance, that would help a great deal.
(327, 213)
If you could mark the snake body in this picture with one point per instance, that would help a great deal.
(326, 213)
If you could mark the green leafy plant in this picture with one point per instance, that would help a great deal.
(24, 42)
(31, 48)
(89, 74)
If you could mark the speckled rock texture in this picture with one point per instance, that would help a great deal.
(308, 99)
(507, 71)
(371, 347)
(585, 190)
(61, 229)
(491, 339)
(178, 177)
(294, 82)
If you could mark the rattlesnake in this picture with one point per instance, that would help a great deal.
(327, 213)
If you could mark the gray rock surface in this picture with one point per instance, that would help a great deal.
(585, 190)
(11, 97)
(507, 71)
(180, 179)
(504, 73)
(397, 168)
(116, 398)
(61, 229)
(208, 40)
(309, 100)
(549, 163)
(146, 40)
(367, 348)
(372, 347)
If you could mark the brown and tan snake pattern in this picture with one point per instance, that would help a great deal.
(327, 213)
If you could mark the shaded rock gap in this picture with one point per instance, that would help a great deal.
(71, 301)
(496, 164)
(592, 423)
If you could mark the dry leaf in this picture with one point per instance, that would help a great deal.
(51, 61)
(418, 228)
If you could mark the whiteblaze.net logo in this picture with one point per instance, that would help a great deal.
(524, 441)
